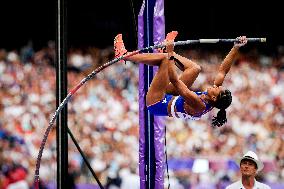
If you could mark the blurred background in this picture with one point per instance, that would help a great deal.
(103, 115)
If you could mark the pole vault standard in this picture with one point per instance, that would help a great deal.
(151, 28)
(62, 129)
(61, 92)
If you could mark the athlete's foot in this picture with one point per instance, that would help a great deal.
(170, 37)
(119, 47)
(169, 41)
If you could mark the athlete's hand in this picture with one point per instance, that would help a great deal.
(241, 41)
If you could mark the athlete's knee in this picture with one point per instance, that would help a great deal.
(196, 68)
(191, 64)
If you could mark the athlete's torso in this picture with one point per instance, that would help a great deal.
(179, 109)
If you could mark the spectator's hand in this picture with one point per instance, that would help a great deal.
(241, 41)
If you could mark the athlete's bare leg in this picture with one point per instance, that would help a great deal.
(189, 74)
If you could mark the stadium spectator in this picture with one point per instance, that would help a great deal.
(103, 116)
(250, 165)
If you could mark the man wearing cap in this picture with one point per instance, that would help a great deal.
(250, 165)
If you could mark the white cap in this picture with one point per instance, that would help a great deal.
(252, 156)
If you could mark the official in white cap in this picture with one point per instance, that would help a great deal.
(250, 165)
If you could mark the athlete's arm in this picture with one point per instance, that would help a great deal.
(228, 61)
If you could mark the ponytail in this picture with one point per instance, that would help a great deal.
(224, 101)
(220, 119)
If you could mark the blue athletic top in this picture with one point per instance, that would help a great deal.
(161, 108)
(180, 102)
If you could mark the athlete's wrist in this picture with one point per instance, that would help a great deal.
(171, 56)
(236, 47)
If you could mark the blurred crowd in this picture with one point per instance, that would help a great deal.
(103, 117)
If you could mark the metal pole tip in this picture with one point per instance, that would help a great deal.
(263, 40)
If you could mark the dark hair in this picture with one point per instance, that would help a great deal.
(223, 101)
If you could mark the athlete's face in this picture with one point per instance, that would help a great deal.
(214, 92)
